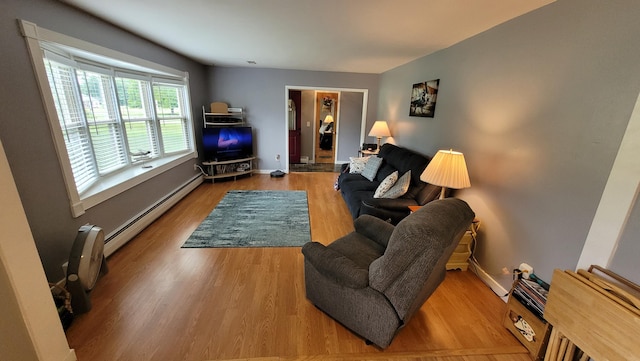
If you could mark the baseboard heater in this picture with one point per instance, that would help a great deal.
(135, 225)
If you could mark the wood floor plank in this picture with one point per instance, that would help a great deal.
(163, 302)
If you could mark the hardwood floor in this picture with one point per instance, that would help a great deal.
(163, 302)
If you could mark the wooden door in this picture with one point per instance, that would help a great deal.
(295, 123)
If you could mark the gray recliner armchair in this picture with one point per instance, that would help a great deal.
(374, 279)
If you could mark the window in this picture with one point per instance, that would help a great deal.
(111, 115)
(111, 120)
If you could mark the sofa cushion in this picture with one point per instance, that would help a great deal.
(414, 190)
(428, 193)
(384, 171)
(403, 159)
(354, 199)
(336, 266)
(371, 168)
(357, 183)
(357, 164)
(386, 184)
(358, 248)
(400, 187)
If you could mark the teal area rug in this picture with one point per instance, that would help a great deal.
(255, 219)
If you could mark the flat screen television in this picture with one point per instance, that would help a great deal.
(226, 143)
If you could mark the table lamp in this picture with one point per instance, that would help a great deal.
(380, 129)
(447, 170)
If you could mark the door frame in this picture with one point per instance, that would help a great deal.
(363, 123)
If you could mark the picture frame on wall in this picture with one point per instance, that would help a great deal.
(423, 99)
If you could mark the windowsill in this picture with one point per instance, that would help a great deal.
(124, 180)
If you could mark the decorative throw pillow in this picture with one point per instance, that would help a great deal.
(400, 187)
(386, 184)
(356, 165)
(371, 168)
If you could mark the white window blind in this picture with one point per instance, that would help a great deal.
(101, 112)
(137, 114)
(70, 114)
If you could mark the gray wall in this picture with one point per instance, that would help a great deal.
(262, 93)
(350, 125)
(539, 106)
(625, 261)
(24, 129)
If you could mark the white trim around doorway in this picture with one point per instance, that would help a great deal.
(363, 123)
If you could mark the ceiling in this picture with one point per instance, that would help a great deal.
(362, 36)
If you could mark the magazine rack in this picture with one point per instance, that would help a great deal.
(535, 342)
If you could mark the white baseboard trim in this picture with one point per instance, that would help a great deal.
(135, 225)
(488, 280)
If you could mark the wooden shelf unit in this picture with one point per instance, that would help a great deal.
(235, 116)
(460, 257)
(228, 168)
(220, 115)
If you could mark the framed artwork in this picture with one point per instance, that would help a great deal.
(423, 99)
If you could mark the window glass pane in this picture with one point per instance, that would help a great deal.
(169, 100)
(101, 112)
(174, 135)
(134, 98)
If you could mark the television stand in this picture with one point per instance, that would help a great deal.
(229, 168)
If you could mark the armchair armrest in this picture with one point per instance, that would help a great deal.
(335, 266)
(374, 228)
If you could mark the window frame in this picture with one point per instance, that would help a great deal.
(131, 175)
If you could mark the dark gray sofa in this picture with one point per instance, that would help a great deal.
(375, 278)
(357, 191)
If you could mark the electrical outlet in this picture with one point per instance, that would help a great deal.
(195, 166)
(277, 156)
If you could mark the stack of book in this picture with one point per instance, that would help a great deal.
(532, 295)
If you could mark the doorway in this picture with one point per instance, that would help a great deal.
(311, 138)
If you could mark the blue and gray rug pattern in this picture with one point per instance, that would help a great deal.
(255, 219)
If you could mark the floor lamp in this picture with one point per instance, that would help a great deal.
(447, 170)
(380, 129)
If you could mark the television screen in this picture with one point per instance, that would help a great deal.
(224, 143)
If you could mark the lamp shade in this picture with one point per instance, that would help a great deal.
(328, 118)
(447, 169)
(380, 129)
